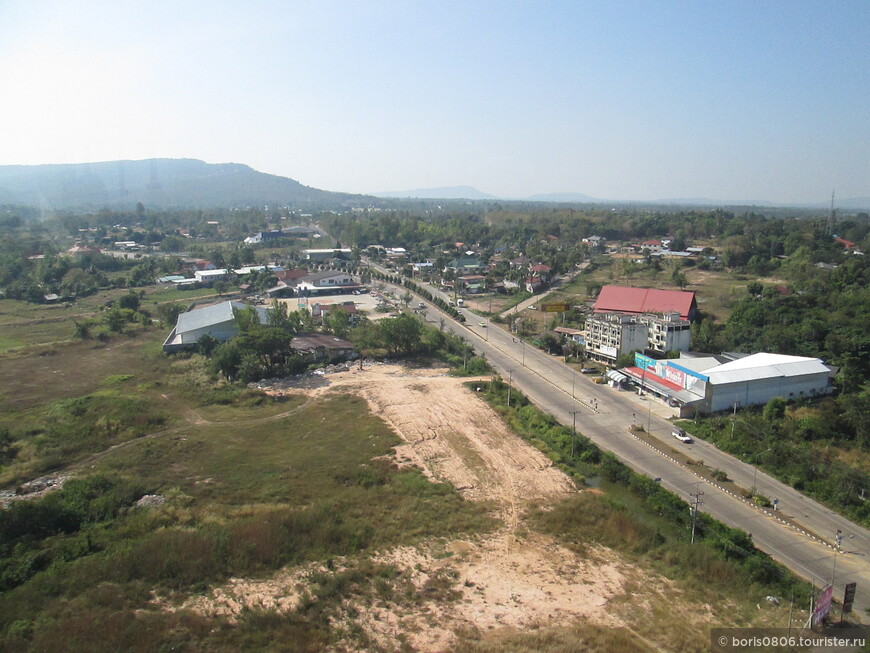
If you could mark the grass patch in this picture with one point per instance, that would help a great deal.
(244, 497)
(655, 523)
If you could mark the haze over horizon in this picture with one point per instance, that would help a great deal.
(627, 100)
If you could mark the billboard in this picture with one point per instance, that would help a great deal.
(823, 605)
(645, 362)
(675, 376)
(849, 597)
(554, 308)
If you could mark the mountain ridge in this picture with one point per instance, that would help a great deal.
(164, 183)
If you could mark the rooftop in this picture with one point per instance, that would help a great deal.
(214, 314)
(627, 299)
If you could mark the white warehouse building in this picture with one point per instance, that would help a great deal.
(758, 378)
(709, 385)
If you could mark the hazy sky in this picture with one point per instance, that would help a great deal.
(628, 100)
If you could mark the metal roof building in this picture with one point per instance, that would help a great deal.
(217, 320)
(758, 378)
(709, 385)
(636, 301)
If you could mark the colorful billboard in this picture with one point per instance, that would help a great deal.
(823, 605)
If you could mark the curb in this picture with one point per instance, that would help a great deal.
(737, 496)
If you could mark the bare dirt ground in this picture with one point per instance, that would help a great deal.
(510, 579)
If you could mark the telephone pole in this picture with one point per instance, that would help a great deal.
(696, 503)
(573, 431)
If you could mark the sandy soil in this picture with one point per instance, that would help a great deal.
(510, 579)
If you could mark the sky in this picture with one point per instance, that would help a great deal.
(646, 100)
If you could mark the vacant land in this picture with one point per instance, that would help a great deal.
(378, 509)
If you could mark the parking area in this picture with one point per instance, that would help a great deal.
(364, 302)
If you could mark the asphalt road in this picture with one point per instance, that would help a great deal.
(604, 415)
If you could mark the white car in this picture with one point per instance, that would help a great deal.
(681, 435)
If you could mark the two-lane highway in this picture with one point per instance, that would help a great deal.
(604, 415)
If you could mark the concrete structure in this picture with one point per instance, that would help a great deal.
(611, 335)
(319, 310)
(575, 335)
(711, 384)
(667, 332)
(217, 321)
(320, 283)
(210, 276)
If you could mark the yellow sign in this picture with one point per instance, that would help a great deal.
(554, 308)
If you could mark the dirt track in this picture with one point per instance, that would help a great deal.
(510, 578)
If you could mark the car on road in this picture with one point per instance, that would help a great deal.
(481, 324)
(681, 435)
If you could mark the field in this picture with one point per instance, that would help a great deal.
(388, 508)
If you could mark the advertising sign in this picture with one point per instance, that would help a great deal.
(675, 376)
(608, 351)
(554, 308)
(823, 605)
(644, 362)
(849, 597)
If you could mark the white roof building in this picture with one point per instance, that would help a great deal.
(208, 276)
(710, 385)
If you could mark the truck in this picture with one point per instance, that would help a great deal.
(460, 302)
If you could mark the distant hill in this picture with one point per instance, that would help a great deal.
(443, 193)
(159, 183)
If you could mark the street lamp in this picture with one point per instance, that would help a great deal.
(523, 342)
(755, 469)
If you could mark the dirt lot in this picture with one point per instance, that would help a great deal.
(513, 579)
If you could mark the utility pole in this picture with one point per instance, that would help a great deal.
(733, 419)
(510, 383)
(696, 503)
(755, 470)
(573, 431)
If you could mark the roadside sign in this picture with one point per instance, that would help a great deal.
(554, 308)
(849, 597)
(823, 605)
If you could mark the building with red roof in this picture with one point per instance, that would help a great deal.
(638, 301)
(848, 244)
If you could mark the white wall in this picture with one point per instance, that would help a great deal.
(760, 391)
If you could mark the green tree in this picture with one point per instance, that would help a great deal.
(337, 322)
(678, 278)
(168, 313)
(774, 409)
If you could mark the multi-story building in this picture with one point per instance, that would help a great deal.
(610, 335)
(668, 332)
